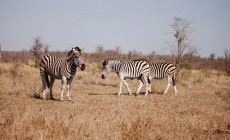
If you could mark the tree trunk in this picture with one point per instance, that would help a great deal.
(178, 57)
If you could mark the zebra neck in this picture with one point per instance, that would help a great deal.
(71, 68)
(116, 67)
(70, 59)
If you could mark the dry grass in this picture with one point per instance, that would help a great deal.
(201, 110)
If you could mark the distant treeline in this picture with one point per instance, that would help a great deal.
(188, 61)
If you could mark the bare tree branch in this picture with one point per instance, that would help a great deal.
(181, 29)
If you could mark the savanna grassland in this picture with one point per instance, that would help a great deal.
(200, 110)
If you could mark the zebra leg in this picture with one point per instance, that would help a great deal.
(169, 83)
(121, 83)
(44, 84)
(174, 84)
(63, 82)
(149, 86)
(175, 89)
(166, 90)
(68, 88)
(43, 90)
(68, 92)
(147, 83)
(126, 84)
(140, 86)
(51, 88)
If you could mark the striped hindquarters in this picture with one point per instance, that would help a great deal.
(161, 70)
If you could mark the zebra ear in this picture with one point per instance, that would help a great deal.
(78, 49)
(105, 63)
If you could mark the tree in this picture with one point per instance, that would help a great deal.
(227, 61)
(191, 54)
(118, 51)
(133, 54)
(181, 30)
(0, 51)
(100, 50)
(46, 49)
(212, 56)
(152, 54)
(37, 50)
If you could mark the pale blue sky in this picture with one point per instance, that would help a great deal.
(143, 25)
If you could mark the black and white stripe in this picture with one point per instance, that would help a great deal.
(58, 68)
(162, 70)
(137, 69)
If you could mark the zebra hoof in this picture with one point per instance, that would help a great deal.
(69, 99)
(52, 98)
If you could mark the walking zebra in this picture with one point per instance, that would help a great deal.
(160, 71)
(138, 69)
(58, 68)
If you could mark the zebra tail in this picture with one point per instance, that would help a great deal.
(149, 81)
(47, 81)
(174, 80)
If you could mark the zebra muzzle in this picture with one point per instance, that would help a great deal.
(82, 67)
(103, 76)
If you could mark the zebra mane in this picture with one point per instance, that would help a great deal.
(141, 60)
(111, 59)
(105, 62)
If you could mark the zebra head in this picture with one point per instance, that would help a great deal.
(108, 66)
(76, 52)
(80, 63)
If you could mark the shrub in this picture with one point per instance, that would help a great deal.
(185, 74)
(14, 72)
(37, 52)
(227, 61)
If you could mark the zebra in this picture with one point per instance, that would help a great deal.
(137, 69)
(160, 71)
(59, 68)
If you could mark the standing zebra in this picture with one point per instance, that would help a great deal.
(58, 68)
(138, 69)
(160, 71)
